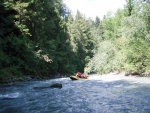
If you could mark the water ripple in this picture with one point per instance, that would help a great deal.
(91, 96)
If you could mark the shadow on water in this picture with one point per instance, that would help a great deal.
(89, 96)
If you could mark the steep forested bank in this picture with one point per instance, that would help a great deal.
(33, 39)
(126, 41)
(41, 38)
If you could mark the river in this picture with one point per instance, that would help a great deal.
(96, 95)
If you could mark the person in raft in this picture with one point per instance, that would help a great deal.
(81, 75)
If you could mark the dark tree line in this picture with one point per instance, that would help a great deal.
(33, 39)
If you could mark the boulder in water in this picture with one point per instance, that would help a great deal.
(56, 85)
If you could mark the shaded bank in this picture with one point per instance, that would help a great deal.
(109, 76)
(16, 79)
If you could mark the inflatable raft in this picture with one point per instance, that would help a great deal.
(77, 78)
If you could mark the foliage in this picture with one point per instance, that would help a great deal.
(33, 39)
(126, 41)
(137, 47)
(102, 62)
(81, 39)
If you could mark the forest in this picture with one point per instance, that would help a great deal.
(41, 39)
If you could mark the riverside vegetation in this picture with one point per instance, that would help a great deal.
(40, 38)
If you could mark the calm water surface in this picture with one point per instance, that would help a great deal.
(90, 96)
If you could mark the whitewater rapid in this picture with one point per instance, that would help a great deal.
(120, 76)
(110, 93)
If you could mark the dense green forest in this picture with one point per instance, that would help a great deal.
(41, 38)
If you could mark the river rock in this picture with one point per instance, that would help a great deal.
(56, 85)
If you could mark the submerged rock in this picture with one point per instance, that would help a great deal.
(41, 87)
(56, 85)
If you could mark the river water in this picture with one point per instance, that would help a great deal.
(84, 96)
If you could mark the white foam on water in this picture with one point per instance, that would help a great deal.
(10, 95)
(120, 76)
(131, 87)
(117, 86)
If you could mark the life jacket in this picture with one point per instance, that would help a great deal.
(84, 76)
(81, 75)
